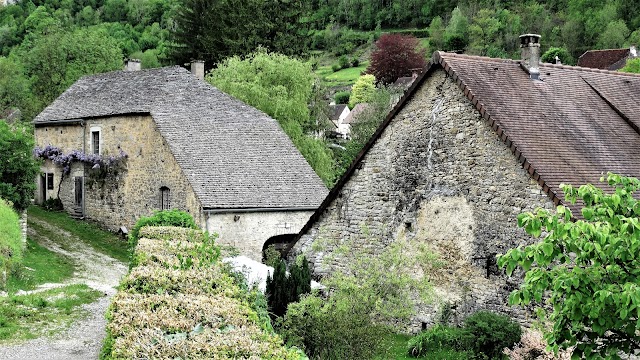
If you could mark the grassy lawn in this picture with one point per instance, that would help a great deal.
(40, 266)
(43, 313)
(340, 78)
(101, 240)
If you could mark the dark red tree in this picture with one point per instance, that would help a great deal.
(396, 56)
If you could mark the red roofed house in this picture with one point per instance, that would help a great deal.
(609, 59)
(474, 142)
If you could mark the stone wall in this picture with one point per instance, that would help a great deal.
(440, 175)
(248, 231)
(121, 198)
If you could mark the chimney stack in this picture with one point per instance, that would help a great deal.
(530, 54)
(197, 69)
(132, 65)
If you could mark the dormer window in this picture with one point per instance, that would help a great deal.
(165, 201)
(96, 147)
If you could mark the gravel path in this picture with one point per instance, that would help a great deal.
(83, 339)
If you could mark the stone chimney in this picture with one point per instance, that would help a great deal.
(530, 54)
(132, 65)
(197, 69)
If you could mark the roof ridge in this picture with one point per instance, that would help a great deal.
(112, 72)
(588, 69)
(594, 50)
(556, 66)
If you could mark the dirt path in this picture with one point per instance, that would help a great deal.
(83, 339)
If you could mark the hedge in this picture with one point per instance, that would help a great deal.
(180, 301)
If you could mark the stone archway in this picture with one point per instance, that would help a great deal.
(280, 242)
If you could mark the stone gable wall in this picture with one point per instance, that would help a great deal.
(440, 175)
(121, 199)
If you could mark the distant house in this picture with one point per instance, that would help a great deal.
(609, 59)
(339, 113)
(357, 111)
(474, 142)
(189, 147)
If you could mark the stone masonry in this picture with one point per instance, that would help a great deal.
(437, 174)
(124, 197)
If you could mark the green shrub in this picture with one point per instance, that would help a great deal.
(52, 204)
(161, 218)
(355, 62)
(343, 61)
(342, 97)
(492, 333)
(440, 338)
(336, 67)
(10, 240)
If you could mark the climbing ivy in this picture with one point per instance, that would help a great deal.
(589, 267)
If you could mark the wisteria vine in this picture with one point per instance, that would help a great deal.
(95, 161)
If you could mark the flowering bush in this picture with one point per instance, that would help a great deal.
(95, 161)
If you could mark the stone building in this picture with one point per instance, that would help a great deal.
(474, 142)
(188, 146)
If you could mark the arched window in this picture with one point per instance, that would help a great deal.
(165, 201)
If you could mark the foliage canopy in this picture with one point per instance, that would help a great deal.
(396, 56)
(18, 167)
(590, 267)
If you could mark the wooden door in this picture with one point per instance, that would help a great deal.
(79, 191)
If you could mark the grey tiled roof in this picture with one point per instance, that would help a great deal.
(233, 155)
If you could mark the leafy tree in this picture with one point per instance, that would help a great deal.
(362, 91)
(456, 34)
(18, 167)
(15, 89)
(563, 54)
(589, 266)
(436, 34)
(613, 36)
(56, 61)
(281, 87)
(395, 56)
(632, 66)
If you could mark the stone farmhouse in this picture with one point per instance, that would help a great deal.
(339, 113)
(474, 142)
(608, 59)
(189, 147)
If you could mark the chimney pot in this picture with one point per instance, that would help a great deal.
(197, 69)
(132, 65)
(530, 54)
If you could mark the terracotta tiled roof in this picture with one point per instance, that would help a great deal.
(233, 155)
(572, 126)
(609, 59)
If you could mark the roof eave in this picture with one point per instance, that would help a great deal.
(212, 210)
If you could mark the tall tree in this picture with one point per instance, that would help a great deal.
(214, 30)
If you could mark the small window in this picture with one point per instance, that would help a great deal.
(49, 181)
(165, 201)
(95, 142)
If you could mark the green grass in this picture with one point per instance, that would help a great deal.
(41, 266)
(43, 313)
(101, 240)
(340, 78)
(395, 347)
